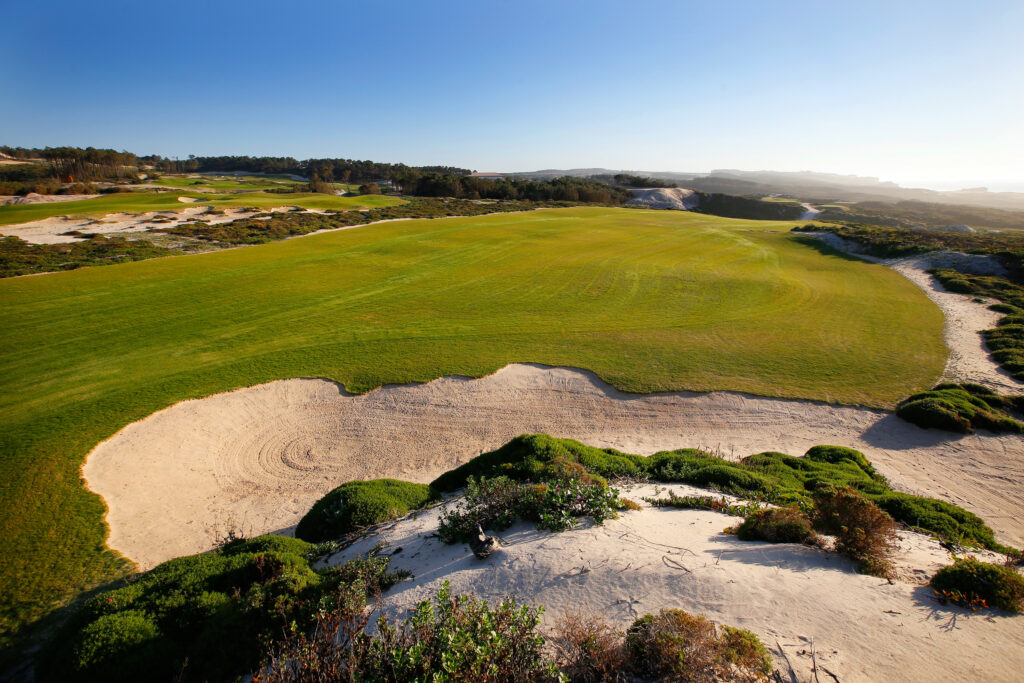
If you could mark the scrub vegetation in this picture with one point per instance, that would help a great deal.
(357, 504)
(976, 584)
(962, 408)
(832, 474)
(649, 300)
(204, 617)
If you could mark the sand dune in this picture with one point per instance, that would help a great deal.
(797, 599)
(256, 459)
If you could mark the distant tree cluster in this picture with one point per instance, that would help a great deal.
(62, 165)
(468, 187)
(631, 180)
(327, 170)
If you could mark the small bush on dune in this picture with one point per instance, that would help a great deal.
(977, 584)
(863, 531)
(358, 504)
(777, 525)
(678, 646)
(587, 649)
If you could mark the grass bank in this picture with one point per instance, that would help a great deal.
(650, 300)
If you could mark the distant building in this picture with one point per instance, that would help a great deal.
(487, 176)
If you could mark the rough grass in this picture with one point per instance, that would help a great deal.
(650, 300)
(773, 477)
(142, 201)
(777, 525)
(962, 408)
(357, 504)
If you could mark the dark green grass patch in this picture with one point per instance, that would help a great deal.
(962, 408)
(978, 584)
(648, 300)
(18, 257)
(772, 477)
(357, 504)
(202, 617)
(777, 525)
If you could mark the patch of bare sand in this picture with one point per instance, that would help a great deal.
(795, 598)
(33, 198)
(256, 459)
(52, 230)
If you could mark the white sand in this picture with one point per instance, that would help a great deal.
(33, 198)
(50, 230)
(256, 459)
(862, 628)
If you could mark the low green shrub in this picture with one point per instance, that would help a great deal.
(172, 621)
(720, 504)
(678, 646)
(960, 408)
(357, 504)
(452, 638)
(777, 525)
(976, 584)
(770, 476)
(498, 502)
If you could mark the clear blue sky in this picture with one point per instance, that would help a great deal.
(926, 93)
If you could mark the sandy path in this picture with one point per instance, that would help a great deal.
(256, 459)
(862, 628)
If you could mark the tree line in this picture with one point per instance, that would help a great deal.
(469, 187)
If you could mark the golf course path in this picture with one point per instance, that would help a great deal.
(256, 459)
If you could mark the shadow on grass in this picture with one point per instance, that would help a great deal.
(824, 249)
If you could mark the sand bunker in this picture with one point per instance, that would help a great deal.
(665, 198)
(256, 459)
(795, 598)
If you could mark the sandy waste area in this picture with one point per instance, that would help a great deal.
(254, 460)
(52, 230)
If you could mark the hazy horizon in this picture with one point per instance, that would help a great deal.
(922, 94)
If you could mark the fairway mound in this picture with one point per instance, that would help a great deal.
(665, 198)
(256, 459)
(799, 600)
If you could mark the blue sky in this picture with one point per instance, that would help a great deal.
(924, 93)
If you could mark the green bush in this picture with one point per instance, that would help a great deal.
(975, 584)
(452, 638)
(174, 619)
(357, 504)
(777, 525)
(675, 645)
(960, 408)
(840, 454)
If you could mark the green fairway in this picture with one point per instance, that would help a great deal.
(650, 300)
(140, 202)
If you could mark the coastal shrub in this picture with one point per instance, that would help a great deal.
(357, 504)
(863, 531)
(497, 503)
(770, 476)
(586, 647)
(960, 408)
(173, 621)
(449, 638)
(678, 646)
(720, 504)
(975, 584)
(777, 525)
